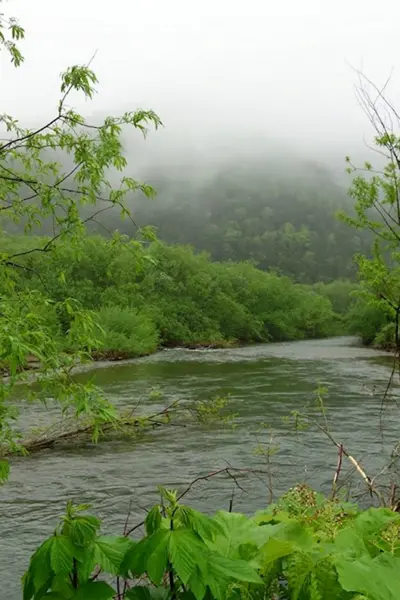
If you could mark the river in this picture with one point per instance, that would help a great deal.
(265, 383)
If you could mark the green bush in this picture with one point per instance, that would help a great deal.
(367, 319)
(127, 331)
(386, 337)
(340, 293)
(159, 294)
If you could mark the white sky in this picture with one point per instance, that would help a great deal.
(232, 69)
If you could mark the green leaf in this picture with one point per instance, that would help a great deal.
(40, 571)
(157, 562)
(371, 522)
(153, 520)
(233, 569)
(148, 556)
(236, 532)
(204, 526)
(61, 554)
(186, 551)
(139, 592)
(197, 583)
(95, 590)
(348, 541)
(377, 578)
(110, 551)
(84, 529)
(275, 549)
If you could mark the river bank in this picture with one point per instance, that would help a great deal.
(118, 356)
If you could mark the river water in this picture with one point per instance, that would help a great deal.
(265, 383)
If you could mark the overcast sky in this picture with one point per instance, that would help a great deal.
(232, 69)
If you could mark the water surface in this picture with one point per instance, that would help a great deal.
(265, 383)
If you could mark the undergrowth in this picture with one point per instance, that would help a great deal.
(304, 547)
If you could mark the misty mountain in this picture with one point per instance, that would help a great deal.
(279, 214)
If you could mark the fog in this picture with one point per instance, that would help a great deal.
(224, 76)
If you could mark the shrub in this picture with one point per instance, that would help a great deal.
(127, 331)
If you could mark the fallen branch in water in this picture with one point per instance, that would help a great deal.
(126, 424)
(71, 429)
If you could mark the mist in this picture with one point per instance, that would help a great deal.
(258, 105)
(224, 77)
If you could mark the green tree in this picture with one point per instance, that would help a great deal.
(376, 195)
(37, 186)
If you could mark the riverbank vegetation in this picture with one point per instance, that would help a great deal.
(145, 294)
(375, 191)
(304, 547)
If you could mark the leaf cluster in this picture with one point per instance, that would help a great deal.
(303, 547)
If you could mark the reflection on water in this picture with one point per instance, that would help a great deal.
(265, 383)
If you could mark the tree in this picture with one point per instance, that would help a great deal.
(376, 194)
(50, 173)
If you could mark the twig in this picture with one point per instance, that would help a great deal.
(337, 472)
(369, 482)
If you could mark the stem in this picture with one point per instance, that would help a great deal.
(171, 582)
(170, 571)
(337, 472)
(75, 574)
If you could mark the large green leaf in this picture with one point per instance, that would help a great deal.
(148, 556)
(197, 583)
(86, 562)
(109, 552)
(232, 569)
(378, 578)
(40, 570)
(296, 534)
(240, 537)
(61, 554)
(153, 520)
(186, 551)
(157, 562)
(275, 549)
(349, 542)
(237, 530)
(371, 522)
(83, 529)
(272, 516)
(204, 526)
(95, 590)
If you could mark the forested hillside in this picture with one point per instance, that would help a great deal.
(282, 216)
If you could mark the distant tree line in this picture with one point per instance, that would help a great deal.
(282, 217)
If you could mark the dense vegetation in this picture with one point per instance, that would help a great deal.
(302, 548)
(144, 295)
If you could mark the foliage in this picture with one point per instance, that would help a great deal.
(127, 331)
(340, 293)
(144, 295)
(50, 173)
(376, 195)
(304, 547)
(10, 33)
